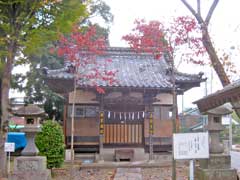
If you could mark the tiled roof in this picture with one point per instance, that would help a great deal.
(229, 93)
(232, 86)
(133, 70)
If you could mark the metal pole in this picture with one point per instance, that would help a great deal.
(206, 90)
(174, 117)
(182, 103)
(8, 162)
(230, 132)
(191, 169)
(211, 81)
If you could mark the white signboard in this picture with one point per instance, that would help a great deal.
(191, 145)
(9, 147)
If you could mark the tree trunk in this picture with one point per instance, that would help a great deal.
(5, 96)
(3, 158)
(216, 63)
(4, 106)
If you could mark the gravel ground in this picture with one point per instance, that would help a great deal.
(84, 174)
(164, 173)
(108, 174)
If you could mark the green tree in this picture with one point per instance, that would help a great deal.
(50, 143)
(34, 87)
(24, 27)
(32, 83)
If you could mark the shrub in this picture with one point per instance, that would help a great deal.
(50, 143)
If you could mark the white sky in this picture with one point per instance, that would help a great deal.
(224, 20)
(224, 29)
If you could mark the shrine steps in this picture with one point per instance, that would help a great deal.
(109, 154)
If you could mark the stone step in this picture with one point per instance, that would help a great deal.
(128, 174)
(85, 157)
(109, 154)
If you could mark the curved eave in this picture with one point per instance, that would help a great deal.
(62, 86)
(186, 85)
(218, 99)
(65, 85)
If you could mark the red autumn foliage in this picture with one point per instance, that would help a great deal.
(147, 37)
(153, 37)
(81, 50)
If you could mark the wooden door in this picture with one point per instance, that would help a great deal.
(124, 133)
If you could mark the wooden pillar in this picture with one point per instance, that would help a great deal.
(151, 136)
(101, 130)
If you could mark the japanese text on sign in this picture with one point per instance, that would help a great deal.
(9, 147)
(191, 145)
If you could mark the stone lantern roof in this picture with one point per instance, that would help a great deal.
(221, 110)
(31, 110)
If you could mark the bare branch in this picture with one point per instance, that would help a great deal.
(199, 7)
(210, 12)
(196, 15)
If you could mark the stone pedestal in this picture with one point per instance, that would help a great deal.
(216, 174)
(31, 149)
(218, 166)
(216, 161)
(30, 168)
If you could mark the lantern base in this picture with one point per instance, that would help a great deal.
(218, 166)
(28, 168)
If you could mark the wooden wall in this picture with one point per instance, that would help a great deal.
(86, 131)
(162, 132)
(83, 97)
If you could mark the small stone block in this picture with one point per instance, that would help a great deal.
(30, 163)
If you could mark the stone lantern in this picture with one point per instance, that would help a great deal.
(218, 166)
(32, 115)
(214, 128)
(30, 166)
